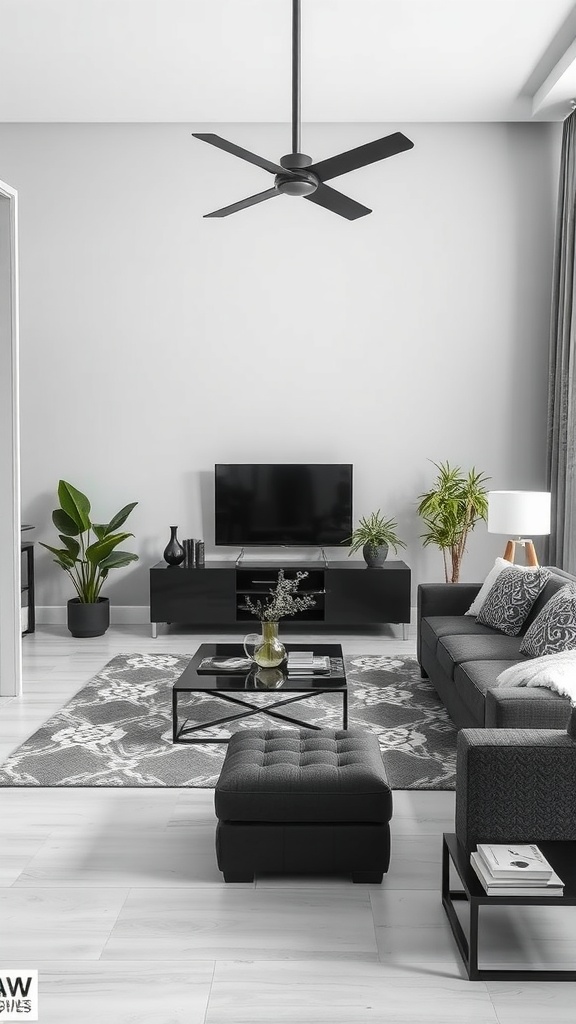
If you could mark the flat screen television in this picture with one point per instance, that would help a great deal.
(292, 505)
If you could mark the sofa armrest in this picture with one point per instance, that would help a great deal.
(515, 785)
(445, 598)
(525, 707)
(442, 599)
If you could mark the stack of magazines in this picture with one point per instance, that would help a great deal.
(515, 870)
(305, 663)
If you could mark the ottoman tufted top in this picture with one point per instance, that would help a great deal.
(294, 775)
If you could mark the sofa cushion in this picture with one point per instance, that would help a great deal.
(554, 629)
(451, 625)
(474, 678)
(512, 595)
(453, 650)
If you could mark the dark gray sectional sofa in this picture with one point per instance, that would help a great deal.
(463, 659)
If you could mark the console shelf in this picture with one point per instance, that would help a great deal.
(347, 593)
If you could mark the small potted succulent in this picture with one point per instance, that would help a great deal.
(375, 535)
(88, 554)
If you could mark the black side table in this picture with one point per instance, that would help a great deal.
(562, 857)
(27, 584)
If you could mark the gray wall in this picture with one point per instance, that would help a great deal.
(155, 343)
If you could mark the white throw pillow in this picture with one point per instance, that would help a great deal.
(482, 594)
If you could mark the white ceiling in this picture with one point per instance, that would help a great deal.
(229, 60)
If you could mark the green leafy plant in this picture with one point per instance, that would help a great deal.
(451, 510)
(89, 550)
(282, 601)
(375, 531)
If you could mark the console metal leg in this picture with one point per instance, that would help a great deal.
(153, 630)
(405, 630)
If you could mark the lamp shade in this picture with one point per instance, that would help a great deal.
(519, 513)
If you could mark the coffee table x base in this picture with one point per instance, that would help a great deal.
(185, 730)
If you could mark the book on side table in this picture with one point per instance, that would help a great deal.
(515, 870)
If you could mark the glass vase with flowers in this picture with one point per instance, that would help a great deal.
(265, 648)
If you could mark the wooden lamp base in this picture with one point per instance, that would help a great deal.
(529, 548)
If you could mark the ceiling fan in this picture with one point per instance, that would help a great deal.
(296, 175)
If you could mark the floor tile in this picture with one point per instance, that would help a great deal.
(57, 924)
(127, 857)
(243, 924)
(421, 812)
(123, 993)
(344, 993)
(532, 1001)
(404, 943)
(16, 852)
(415, 862)
(401, 908)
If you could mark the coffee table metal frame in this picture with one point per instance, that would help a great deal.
(562, 857)
(230, 684)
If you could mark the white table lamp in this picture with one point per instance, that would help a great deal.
(521, 515)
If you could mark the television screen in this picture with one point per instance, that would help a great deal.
(283, 504)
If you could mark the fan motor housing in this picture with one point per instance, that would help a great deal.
(298, 183)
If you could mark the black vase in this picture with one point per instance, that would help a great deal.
(173, 552)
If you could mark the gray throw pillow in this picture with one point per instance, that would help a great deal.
(511, 597)
(554, 628)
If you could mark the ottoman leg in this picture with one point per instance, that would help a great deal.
(238, 876)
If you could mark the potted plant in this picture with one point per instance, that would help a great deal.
(451, 510)
(375, 535)
(89, 552)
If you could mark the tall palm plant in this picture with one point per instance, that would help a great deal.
(450, 511)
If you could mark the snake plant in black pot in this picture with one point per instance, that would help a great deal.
(90, 550)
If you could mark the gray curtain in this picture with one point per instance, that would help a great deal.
(561, 454)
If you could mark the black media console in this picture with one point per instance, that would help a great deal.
(347, 593)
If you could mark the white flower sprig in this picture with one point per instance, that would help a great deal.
(282, 601)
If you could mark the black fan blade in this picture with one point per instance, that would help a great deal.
(244, 203)
(244, 154)
(338, 203)
(361, 156)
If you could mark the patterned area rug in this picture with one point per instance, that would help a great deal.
(117, 730)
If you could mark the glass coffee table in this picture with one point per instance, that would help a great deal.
(235, 688)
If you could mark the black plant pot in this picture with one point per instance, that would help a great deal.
(375, 556)
(88, 619)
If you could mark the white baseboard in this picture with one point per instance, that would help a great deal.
(131, 614)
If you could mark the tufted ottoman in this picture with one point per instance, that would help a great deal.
(291, 801)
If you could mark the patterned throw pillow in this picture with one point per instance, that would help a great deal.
(554, 629)
(513, 593)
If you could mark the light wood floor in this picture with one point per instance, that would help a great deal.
(115, 897)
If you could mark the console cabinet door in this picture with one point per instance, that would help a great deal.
(359, 596)
(202, 596)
